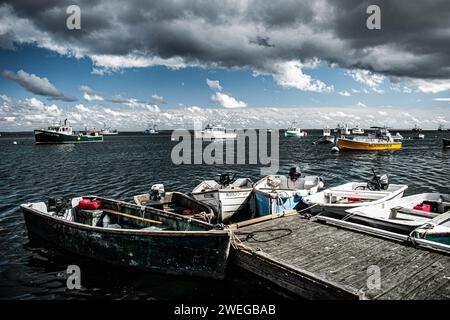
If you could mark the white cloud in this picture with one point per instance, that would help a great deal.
(382, 113)
(442, 99)
(430, 85)
(290, 74)
(368, 78)
(159, 99)
(214, 84)
(227, 101)
(80, 107)
(344, 93)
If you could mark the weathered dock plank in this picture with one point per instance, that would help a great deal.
(323, 261)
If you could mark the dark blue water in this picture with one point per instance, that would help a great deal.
(128, 164)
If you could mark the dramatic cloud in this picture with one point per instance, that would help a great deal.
(36, 85)
(268, 37)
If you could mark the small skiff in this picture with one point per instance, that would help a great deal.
(351, 195)
(175, 202)
(129, 235)
(227, 197)
(278, 194)
(406, 214)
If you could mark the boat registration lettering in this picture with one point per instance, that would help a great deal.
(232, 194)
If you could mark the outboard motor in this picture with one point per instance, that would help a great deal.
(294, 173)
(225, 179)
(378, 182)
(56, 204)
(157, 192)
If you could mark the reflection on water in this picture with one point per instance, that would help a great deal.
(126, 165)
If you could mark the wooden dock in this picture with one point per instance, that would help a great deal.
(315, 260)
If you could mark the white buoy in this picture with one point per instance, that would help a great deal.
(335, 149)
(15, 142)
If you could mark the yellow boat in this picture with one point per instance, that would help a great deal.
(381, 140)
(368, 144)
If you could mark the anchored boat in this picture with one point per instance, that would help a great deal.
(326, 137)
(106, 131)
(151, 131)
(63, 133)
(227, 197)
(403, 215)
(357, 130)
(175, 202)
(293, 131)
(350, 195)
(381, 140)
(129, 235)
(214, 132)
(277, 193)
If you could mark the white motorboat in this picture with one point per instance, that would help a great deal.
(357, 130)
(215, 132)
(350, 195)
(326, 137)
(293, 131)
(403, 215)
(227, 197)
(397, 137)
(278, 194)
(106, 131)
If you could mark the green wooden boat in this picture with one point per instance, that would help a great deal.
(63, 133)
(133, 236)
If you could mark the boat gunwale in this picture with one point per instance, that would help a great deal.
(355, 205)
(133, 232)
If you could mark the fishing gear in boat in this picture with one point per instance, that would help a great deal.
(57, 204)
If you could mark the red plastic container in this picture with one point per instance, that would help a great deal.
(87, 204)
(423, 207)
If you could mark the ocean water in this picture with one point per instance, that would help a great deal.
(130, 163)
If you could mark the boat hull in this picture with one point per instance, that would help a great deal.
(193, 253)
(225, 202)
(340, 209)
(294, 134)
(47, 137)
(446, 143)
(361, 145)
(266, 205)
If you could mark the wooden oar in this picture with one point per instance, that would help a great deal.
(131, 217)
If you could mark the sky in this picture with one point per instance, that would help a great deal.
(243, 64)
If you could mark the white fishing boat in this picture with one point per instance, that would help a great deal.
(403, 215)
(419, 136)
(350, 195)
(397, 137)
(215, 132)
(106, 131)
(293, 131)
(326, 137)
(357, 130)
(343, 130)
(278, 193)
(227, 197)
